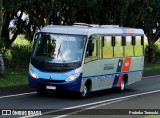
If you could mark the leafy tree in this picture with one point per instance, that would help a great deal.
(2, 68)
(38, 12)
(11, 9)
(129, 13)
(1, 18)
(152, 26)
(145, 14)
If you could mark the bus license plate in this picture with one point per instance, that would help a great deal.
(51, 87)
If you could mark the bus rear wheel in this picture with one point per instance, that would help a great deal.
(122, 86)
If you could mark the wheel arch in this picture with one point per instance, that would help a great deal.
(125, 77)
(89, 84)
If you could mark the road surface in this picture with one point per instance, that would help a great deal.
(142, 95)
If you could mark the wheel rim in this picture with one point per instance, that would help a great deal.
(122, 85)
(84, 92)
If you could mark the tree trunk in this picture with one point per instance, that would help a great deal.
(1, 17)
(49, 12)
(151, 51)
(5, 30)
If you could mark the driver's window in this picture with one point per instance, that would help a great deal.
(92, 49)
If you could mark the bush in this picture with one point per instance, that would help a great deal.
(18, 56)
(148, 54)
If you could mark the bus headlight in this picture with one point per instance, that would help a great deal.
(72, 77)
(32, 73)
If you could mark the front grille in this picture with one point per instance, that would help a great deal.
(52, 81)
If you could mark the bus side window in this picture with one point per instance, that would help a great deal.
(107, 48)
(138, 49)
(118, 49)
(92, 50)
(129, 46)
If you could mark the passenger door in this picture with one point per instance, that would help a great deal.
(90, 68)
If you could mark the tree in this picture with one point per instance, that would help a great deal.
(152, 26)
(1, 18)
(38, 12)
(146, 14)
(1, 57)
(129, 13)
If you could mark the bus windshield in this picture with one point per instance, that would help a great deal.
(59, 48)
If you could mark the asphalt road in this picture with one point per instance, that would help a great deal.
(142, 95)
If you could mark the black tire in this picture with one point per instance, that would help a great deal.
(41, 92)
(84, 92)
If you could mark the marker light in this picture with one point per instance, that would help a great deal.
(32, 73)
(72, 77)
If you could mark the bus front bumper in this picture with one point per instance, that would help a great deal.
(72, 86)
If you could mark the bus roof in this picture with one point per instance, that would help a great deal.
(91, 29)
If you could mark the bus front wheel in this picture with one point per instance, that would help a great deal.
(84, 92)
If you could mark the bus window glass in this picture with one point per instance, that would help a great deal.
(118, 49)
(138, 40)
(129, 46)
(92, 49)
(118, 40)
(138, 47)
(107, 47)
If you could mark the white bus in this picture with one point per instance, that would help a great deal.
(84, 58)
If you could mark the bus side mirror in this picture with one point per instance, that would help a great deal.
(90, 49)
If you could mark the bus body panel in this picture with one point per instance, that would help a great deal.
(108, 73)
(137, 66)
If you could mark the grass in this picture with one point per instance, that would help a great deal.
(14, 77)
(152, 116)
(150, 66)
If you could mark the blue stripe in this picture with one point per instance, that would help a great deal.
(115, 81)
(113, 74)
(120, 63)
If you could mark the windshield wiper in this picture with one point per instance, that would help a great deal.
(60, 53)
(59, 49)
